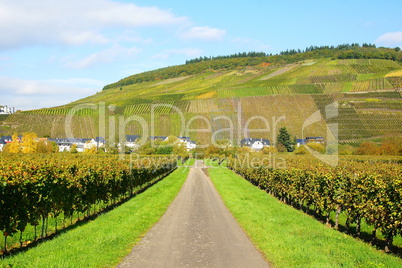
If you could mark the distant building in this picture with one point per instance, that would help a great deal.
(64, 144)
(163, 138)
(315, 139)
(82, 144)
(100, 141)
(7, 139)
(300, 142)
(255, 144)
(131, 141)
(6, 110)
(190, 145)
(2, 144)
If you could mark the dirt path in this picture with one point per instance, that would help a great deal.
(197, 230)
(280, 71)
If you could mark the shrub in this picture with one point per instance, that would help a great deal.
(391, 146)
(281, 148)
(346, 149)
(269, 149)
(332, 149)
(368, 148)
(301, 150)
(317, 147)
(244, 150)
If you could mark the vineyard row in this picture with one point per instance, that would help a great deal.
(34, 188)
(361, 190)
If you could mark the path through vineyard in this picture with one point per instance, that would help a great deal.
(197, 230)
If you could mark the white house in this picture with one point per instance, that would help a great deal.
(100, 141)
(255, 144)
(64, 144)
(188, 142)
(82, 144)
(2, 144)
(131, 142)
(6, 110)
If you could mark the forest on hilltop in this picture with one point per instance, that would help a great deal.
(238, 60)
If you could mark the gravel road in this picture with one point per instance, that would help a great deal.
(197, 230)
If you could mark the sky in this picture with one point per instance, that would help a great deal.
(56, 52)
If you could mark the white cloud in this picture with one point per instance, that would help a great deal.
(188, 52)
(133, 37)
(33, 94)
(78, 38)
(73, 22)
(105, 56)
(204, 33)
(390, 39)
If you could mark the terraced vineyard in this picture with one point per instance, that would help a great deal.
(368, 92)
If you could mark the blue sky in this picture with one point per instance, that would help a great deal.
(55, 52)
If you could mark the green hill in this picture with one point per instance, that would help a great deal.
(231, 96)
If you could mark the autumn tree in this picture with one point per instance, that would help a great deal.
(73, 149)
(46, 147)
(368, 148)
(391, 146)
(14, 146)
(29, 143)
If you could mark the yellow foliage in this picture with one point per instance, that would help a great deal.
(301, 150)
(29, 143)
(317, 147)
(394, 73)
(14, 146)
(207, 95)
(244, 150)
(91, 150)
(46, 147)
(269, 149)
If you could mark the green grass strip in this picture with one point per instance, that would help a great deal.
(105, 241)
(287, 237)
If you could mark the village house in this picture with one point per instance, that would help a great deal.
(131, 142)
(300, 142)
(315, 139)
(100, 141)
(64, 144)
(255, 144)
(190, 145)
(81, 143)
(163, 138)
(6, 139)
(2, 144)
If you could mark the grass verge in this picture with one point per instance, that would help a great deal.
(105, 241)
(287, 237)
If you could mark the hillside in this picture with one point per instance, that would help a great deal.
(242, 94)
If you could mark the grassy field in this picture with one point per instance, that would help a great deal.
(105, 241)
(287, 237)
